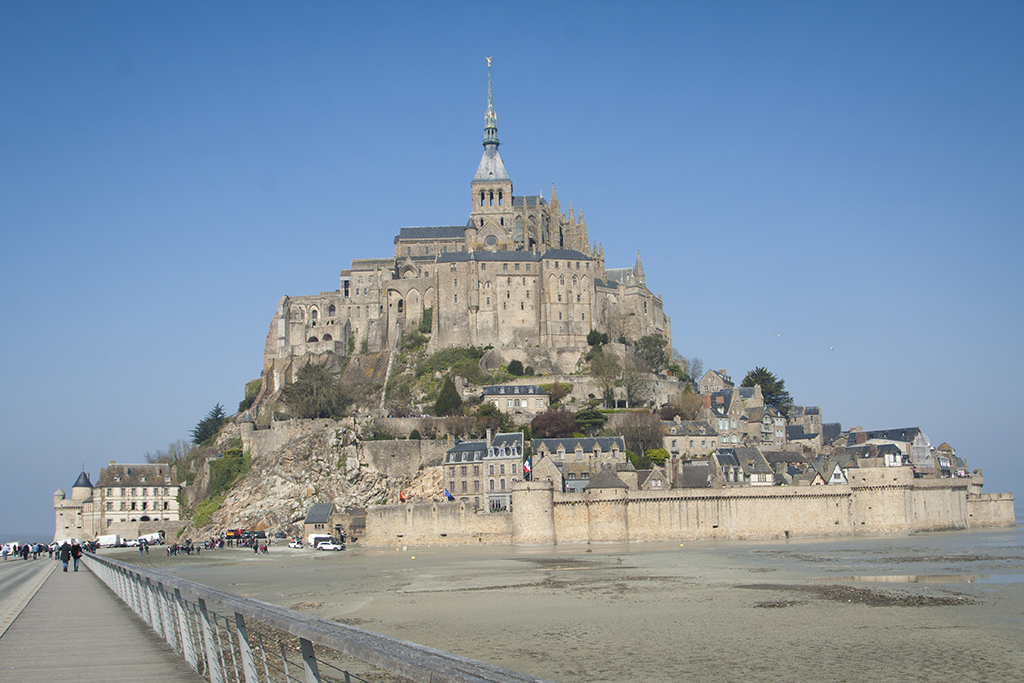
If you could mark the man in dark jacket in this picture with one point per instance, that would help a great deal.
(65, 554)
(76, 553)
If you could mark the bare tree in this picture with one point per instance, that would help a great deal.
(605, 369)
(636, 380)
(642, 432)
(695, 366)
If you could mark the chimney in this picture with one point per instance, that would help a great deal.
(488, 437)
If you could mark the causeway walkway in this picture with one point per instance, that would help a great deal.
(75, 629)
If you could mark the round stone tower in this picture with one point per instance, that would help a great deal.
(58, 497)
(533, 513)
(82, 490)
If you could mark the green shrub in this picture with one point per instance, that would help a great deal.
(515, 368)
(414, 435)
(414, 340)
(427, 321)
(252, 390)
(228, 469)
(205, 510)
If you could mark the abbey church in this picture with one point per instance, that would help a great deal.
(518, 273)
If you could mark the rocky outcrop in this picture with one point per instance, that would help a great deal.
(322, 461)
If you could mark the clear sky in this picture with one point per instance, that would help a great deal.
(831, 190)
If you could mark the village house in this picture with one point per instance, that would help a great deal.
(579, 458)
(483, 471)
(517, 399)
(688, 438)
(714, 380)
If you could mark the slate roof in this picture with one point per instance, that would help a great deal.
(586, 443)
(137, 474)
(796, 433)
(568, 254)
(513, 389)
(83, 480)
(695, 473)
(605, 479)
(752, 461)
(830, 431)
(463, 256)
(503, 445)
(432, 232)
(530, 200)
(319, 513)
(906, 434)
(784, 456)
(491, 166)
(797, 411)
(689, 428)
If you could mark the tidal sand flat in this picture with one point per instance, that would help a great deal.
(935, 607)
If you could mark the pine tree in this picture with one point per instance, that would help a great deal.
(448, 401)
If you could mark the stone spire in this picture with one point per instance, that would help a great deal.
(490, 118)
(491, 166)
(584, 240)
(638, 269)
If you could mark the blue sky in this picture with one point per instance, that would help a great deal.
(834, 191)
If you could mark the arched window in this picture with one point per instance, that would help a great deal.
(500, 199)
(481, 197)
(312, 314)
(561, 279)
(517, 232)
(400, 305)
(312, 340)
(328, 337)
(574, 280)
(331, 311)
(490, 199)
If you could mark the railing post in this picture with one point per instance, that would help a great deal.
(141, 598)
(309, 661)
(188, 646)
(154, 609)
(165, 615)
(248, 663)
(213, 664)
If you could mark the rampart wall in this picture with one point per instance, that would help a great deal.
(877, 501)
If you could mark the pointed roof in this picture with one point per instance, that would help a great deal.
(638, 269)
(491, 167)
(605, 479)
(82, 481)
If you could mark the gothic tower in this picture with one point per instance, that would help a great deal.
(491, 216)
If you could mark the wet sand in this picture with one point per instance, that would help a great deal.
(944, 607)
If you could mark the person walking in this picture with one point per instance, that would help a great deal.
(76, 553)
(65, 554)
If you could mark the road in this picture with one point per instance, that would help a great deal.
(19, 580)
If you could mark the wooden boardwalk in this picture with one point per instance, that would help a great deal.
(74, 628)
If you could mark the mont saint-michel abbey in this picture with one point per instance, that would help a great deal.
(519, 273)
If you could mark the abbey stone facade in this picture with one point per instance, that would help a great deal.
(518, 273)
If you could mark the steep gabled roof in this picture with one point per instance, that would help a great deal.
(82, 481)
(319, 513)
(605, 479)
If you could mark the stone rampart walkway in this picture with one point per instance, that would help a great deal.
(75, 629)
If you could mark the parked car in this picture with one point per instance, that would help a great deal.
(295, 544)
(330, 545)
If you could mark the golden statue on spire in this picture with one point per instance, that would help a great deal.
(488, 62)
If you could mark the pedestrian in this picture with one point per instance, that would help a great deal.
(24, 552)
(76, 552)
(146, 545)
(65, 554)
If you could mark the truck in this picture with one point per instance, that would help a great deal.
(109, 541)
(316, 538)
(155, 538)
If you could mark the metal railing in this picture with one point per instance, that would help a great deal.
(256, 642)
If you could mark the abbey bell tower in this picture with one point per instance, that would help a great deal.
(491, 216)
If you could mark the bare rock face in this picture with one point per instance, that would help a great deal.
(322, 466)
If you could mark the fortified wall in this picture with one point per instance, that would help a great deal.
(876, 501)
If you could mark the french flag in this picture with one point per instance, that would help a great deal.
(526, 469)
(448, 496)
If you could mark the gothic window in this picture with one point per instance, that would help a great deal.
(500, 198)
(574, 281)
(481, 201)
(331, 311)
(491, 198)
(313, 314)
(517, 232)
(400, 305)
(561, 279)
